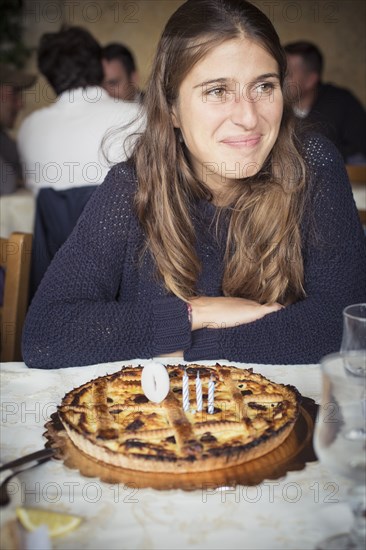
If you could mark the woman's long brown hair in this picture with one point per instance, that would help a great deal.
(263, 259)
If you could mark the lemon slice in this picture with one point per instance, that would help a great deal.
(57, 524)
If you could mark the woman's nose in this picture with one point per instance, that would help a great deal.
(245, 110)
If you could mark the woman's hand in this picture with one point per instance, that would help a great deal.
(225, 312)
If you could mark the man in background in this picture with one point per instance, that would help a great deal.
(329, 109)
(12, 84)
(120, 73)
(61, 145)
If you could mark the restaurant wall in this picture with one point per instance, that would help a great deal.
(336, 26)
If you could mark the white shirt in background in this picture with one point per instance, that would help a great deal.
(60, 146)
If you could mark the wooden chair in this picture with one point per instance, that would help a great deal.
(15, 259)
(357, 177)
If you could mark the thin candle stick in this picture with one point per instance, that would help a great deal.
(185, 392)
(199, 393)
(211, 392)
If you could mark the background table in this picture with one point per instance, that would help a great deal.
(290, 513)
(17, 212)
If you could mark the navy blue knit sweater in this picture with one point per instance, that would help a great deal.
(99, 303)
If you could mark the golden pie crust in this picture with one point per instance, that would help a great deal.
(112, 421)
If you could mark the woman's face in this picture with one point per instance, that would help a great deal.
(229, 111)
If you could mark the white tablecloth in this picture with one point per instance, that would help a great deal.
(359, 194)
(17, 213)
(291, 513)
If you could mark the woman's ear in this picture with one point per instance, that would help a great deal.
(175, 118)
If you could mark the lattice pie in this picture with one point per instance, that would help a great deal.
(112, 421)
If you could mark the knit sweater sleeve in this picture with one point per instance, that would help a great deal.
(78, 316)
(335, 267)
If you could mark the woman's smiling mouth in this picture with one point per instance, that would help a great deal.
(242, 141)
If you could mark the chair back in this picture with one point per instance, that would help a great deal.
(357, 177)
(57, 212)
(15, 259)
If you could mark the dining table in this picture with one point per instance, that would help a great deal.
(17, 212)
(294, 511)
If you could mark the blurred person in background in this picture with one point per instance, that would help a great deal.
(12, 84)
(121, 77)
(67, 148)
(333, 111)
(61, 144)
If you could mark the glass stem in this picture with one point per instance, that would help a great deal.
(358, 528)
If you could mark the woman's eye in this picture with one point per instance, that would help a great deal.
(216, 93)
(262, 90)
(266, 87)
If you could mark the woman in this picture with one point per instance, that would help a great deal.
(223, 236)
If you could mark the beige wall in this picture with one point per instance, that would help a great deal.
(336, 26)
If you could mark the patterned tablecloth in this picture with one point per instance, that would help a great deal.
(293, 512)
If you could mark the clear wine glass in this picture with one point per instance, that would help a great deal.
(340, 441)
(354, 338)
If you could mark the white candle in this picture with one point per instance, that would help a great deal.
(155, 381)
(199, 392)
(185, 392)
(211, 391)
